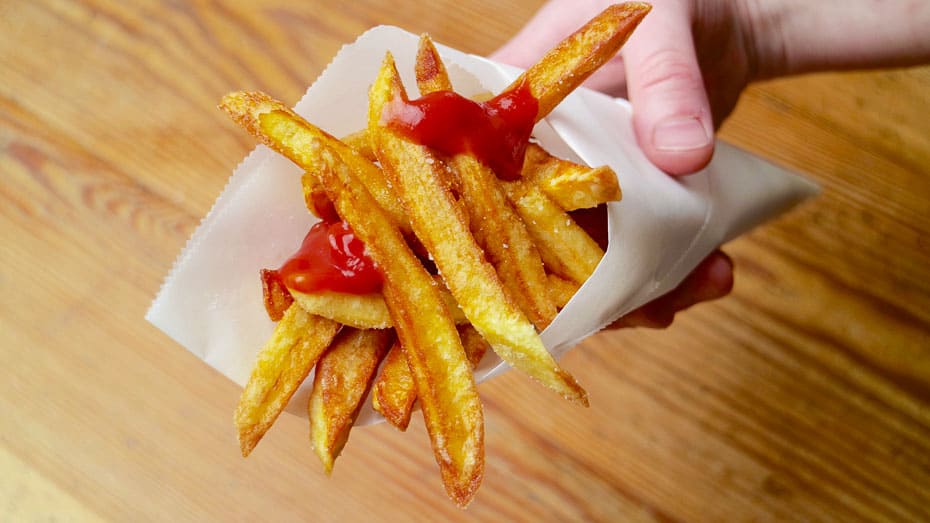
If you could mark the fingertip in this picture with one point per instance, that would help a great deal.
(678, 145)
(710, 280)
(719, 271)
(648, 316)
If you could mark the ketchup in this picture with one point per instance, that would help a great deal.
(331, 258)
(496, 131)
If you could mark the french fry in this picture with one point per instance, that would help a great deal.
(429, 68)
(572, 61)
(360, 143)
(238, 105)
(342, 378)
(568, 184)
(275, 295)
(394, 391)
(493, 222)
(363, 311)
(315, 198)
(475, 345)
(566, 248)
(438, 220)
(451, 408)
(580, 187)
(282, 365)
(561, 290)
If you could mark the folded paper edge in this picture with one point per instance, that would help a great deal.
(806, 189)
(252, 161)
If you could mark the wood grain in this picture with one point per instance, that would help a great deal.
(804, 396)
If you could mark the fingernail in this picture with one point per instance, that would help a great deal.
(680, 134)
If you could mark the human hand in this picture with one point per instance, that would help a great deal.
(687, 63)
(682, 51)
(661, 71)
(685, 66)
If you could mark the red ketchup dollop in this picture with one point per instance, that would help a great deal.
(331, 258)
(496, 131)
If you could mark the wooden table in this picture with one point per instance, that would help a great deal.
(803, 396)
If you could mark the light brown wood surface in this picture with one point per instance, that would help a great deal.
(802, 396)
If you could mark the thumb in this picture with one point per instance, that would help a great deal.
(671, 113)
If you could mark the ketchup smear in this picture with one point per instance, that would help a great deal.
(496, 131)
(331, 258)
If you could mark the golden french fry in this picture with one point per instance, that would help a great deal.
(570, 185)
(561, 290)
(282, 365)
(359, 142)
(240, 106)
(342, 378)
(475, 345)
(580, 187)
(275, 295)
(430, 71)
(394, 391)
(451, 408)
(505, 240)
(440, 223)
(572, 60)
(566, 248)
(493, 222)
(320, 206)
(362, 311)
(315, 198)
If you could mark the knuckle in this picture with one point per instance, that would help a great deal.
(668, 69)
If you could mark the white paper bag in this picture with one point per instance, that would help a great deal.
(211, 301)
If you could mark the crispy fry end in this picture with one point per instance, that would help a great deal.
(274, 294)
(343, 376)
(282, 365)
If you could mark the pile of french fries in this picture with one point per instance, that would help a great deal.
(507, 254)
